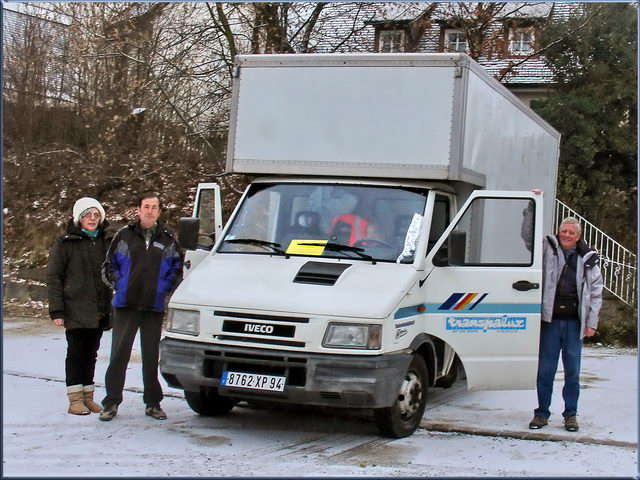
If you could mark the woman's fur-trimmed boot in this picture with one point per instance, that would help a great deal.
(76, 401)
(88, 390)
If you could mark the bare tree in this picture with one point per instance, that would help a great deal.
(146, 99)
(482, 24)
(34, 77)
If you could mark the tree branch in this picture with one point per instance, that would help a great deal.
(512, 65)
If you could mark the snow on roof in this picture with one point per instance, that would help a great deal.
(398, 11)
(533, 71)
(529, 10)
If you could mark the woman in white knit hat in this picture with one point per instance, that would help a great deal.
(78, 299)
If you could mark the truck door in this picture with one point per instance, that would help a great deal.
(483, 287)
(207, 208)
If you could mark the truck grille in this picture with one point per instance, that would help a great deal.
(260, 329)
(254, 316)
(263, 341)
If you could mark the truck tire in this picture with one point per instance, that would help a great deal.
(208, 403)
(404, 416)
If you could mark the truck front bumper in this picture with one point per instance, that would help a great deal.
(362, 381)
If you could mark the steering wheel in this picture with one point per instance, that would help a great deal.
(371, 242)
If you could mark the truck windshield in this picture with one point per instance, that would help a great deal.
(328, 220)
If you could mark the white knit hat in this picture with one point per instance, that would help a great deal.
(86, 203)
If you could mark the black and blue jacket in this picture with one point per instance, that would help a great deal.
(142, 276)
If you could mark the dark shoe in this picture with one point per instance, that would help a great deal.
(108, 413)
(538, 422)
(155, 412)
(571, 424)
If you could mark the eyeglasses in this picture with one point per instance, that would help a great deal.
(91, 215)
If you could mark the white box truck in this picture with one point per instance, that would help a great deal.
(382, 248)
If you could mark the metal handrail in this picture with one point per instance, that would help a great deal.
(618, 264)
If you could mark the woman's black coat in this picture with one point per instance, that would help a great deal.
(74, 284)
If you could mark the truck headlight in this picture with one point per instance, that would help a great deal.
(342, 335)
(184, 321)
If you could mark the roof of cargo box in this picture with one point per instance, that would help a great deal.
(340, 59)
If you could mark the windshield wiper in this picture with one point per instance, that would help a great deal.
(275, 247)
(338, 247)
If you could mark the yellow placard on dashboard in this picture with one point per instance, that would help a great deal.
(295, 247)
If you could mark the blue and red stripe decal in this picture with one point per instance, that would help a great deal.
(471, 302)
(463, 301)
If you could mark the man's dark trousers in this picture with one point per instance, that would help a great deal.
(126, 323)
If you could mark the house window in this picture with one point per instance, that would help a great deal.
(391, 41)
(521, 41)
(455, 41)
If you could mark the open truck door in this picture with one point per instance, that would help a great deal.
(483, 288)
(199, 233)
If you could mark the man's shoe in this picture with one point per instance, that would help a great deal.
(155, 412)
(108, 413)
(571, 424)
(538, 422)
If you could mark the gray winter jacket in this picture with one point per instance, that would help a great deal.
(588, 280)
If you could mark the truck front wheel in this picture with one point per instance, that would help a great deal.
(208, 403)
(404, 416)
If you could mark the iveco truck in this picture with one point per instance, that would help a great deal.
(389, 240)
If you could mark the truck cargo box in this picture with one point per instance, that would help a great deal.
(420, 116)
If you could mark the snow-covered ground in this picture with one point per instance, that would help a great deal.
(463, 434)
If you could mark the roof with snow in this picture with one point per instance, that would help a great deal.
(532, 71)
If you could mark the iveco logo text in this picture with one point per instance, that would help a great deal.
(255, 328)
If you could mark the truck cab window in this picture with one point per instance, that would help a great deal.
(490, 233)
(440, 219)
(206, 207)
(338, 221)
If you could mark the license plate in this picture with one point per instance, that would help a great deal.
(254, 381)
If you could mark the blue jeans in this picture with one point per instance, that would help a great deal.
(559, 336)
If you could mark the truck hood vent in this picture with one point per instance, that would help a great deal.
(319, 273)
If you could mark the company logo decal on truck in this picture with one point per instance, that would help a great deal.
(401, 331)
(405, 324)
(259, 328)
(466, 302)
(503, 323)
(462, 301)
(252, 327)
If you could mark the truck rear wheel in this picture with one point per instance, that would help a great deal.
(404, 416)
(208, 403)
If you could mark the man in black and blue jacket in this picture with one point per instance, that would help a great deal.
(143, 265)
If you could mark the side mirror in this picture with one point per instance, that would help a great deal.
(188, 229)
(457, 247)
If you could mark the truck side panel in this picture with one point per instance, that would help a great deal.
(306, 120)
(508, 143)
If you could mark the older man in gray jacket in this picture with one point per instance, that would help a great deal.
(571, 300)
